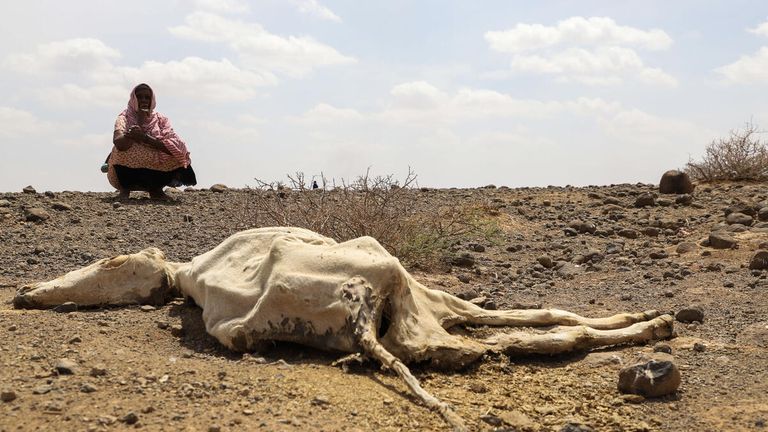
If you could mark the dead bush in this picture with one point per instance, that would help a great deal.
(740, 156)
(395, 213)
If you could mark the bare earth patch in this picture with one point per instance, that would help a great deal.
(160, 370)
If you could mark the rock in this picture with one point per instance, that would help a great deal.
(576, 427)
(214, 428)
(570, 232)
(684, 199)
(645, 200)
(147, 308)
(49, 194)
(583, 227)
(738, 218)
(650, 379)
(651, 231)
(463, 278)
(66, 366)
(762, 214)
(42, 389)
(755, 334)
(658, 254)
(699, 347)
(66, 307)
(463, 260)
(759, 261)
(685, 247)
(690, 314)
(569, 270)
(61, 206)
(675, 182)
(130, 418)
(628, 233)
(36, 214)
(4, 203)
(491, 419)
(662, 348)
(29, 190)
(7, 395)
(188, 218)
(546, 261)
(218, 188)
(88, 388)
(476, 247)
(321, 400)
(721, 240)
(468, 294)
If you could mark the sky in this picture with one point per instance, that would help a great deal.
(465, 93)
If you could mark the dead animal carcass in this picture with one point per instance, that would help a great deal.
(291, 284)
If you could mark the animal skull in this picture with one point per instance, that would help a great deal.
(291, 284)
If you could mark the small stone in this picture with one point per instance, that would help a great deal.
(699, 347)
(685, 247)
(468, 294)
(659, 254)
(546, 261)
(177, 330)
(478, 387)
(12, 327)
(130, 418)
(75, 339)
(7, 395)
(626, 297)
(650, 379)
(162, 325)
(738, 218)
(463, 260)
(645, 200)
(321, 400)
(721, 240)
(147, 308)
(575, 427)
(188, 218)
(463, 278)
(66, 367)
(42, 389)
(629, 233)
(117, 205)
(690, 314)
(491, 420)
(218, 188)
(88, 388)
(759, 261)
(98, 371)
(36, 214)
(29, 190)
(60, 206)
(214, 428)
(66, 307)
(663, 348)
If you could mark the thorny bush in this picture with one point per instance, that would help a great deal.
(740, 156)
(394, 213)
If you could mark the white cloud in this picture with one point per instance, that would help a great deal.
(312, 7)
(748, 69)
(761, 29)
(69, 95)
(592, 51)
(82, 55)
(258, 49)
(16, 123)
(604, 65)
(575, 31)
(223, 6)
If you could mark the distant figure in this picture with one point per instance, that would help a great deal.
(675, 182)
(147, 154)
(314, 184)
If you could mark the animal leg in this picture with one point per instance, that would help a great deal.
(581, 338)
(452, 310)
(364, 305)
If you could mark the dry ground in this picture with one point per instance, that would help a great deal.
(159, 370)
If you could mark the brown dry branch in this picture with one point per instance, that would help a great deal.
(389, 210)
(740, 156)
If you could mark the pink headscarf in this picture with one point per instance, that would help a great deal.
(157, 126)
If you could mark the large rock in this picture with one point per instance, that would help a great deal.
(218, 187)
(675, 182)
(650, 379)
(759, 261)
(721, 240)
(29, 190)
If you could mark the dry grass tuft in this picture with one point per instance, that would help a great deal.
(740, 156)
(394, 212)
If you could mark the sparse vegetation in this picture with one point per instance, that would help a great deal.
(740, 156)
(382, 207)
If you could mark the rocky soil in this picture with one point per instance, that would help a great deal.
(593, 250)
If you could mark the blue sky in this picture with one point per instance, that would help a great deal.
(466, 93)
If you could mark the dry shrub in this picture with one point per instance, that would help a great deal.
(395, 213)
(740, 156)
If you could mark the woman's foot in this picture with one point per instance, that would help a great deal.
(124, 195)
(159, 195)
